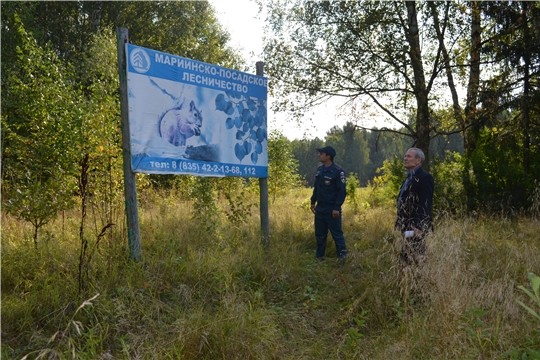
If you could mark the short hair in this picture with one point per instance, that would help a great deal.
(419, 153)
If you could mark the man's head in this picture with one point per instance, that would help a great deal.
(328, 150)
(414, 157)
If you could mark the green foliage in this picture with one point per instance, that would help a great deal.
(37, 202)
(480, 337)
(358, 151)
(99, 136)
(385, 188)
(385, 74)
(61, 127)
(534, 295)
(206, 194)
(306, 155)
(205, 209)
(384, 146)
(448, 197)
(352, 185)
(40, 115)
(525, 355)
(238, 193)
(282, 166)
(187, 28)
(449, 194)
(495, 124)
(355, 335)
(499, 178)
(352, 149)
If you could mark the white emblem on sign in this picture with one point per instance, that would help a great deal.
(140, 60)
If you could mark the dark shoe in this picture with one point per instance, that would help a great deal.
(320, 259)
(341, 262)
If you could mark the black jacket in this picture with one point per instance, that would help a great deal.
(329, 191)
(414, 203)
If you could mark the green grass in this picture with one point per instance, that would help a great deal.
(218, 294)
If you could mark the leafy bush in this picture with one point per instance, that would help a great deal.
(534, 295)
(449, 195)
(282, 166)
(352, 185)
(384, 188)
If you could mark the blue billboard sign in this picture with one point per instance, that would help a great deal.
(189, 117)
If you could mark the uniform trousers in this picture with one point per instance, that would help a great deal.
(325, 222)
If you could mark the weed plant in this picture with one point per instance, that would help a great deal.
(214, 292)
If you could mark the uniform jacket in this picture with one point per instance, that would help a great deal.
(329, 191)
(414, 203)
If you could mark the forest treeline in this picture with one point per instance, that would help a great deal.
(362, 153)
(61, 139)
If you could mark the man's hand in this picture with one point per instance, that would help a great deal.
(313, 208)
(335, 214)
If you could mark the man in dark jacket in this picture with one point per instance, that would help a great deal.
(328, 196)
(414, 215)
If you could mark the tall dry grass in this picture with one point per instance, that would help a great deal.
(210, 291)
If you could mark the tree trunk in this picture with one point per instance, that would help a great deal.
(423, 126)
(36, 228)
(458, 113)
(525, 108)
(471, 128)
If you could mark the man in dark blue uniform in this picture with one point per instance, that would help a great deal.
(328, 196)
(414, 213)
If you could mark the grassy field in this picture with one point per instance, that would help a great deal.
(209, 290)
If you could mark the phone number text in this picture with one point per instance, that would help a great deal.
(189, 166)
